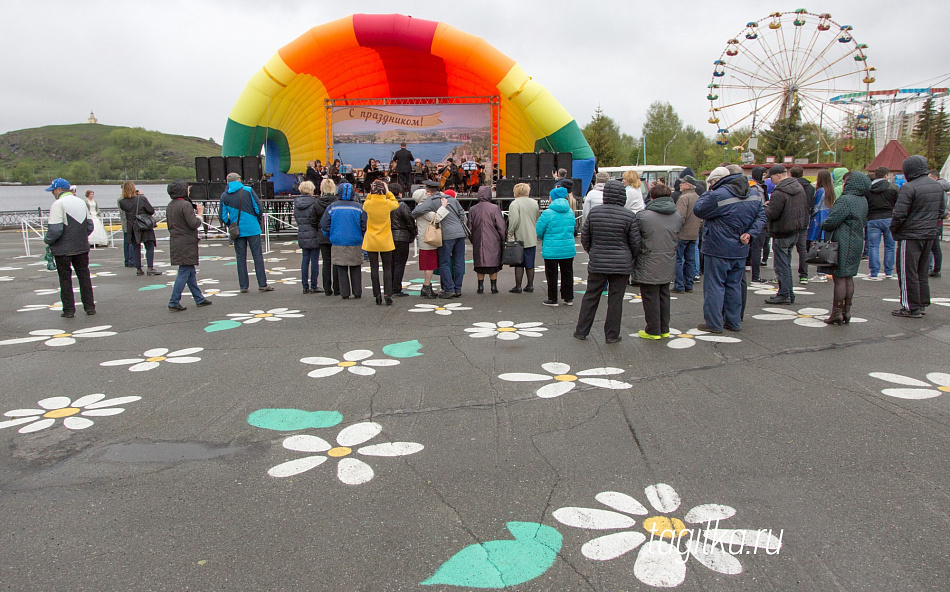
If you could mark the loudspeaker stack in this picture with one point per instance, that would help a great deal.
(211, 176)
(537, 170)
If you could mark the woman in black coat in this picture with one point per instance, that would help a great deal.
(133, 203)
(331, 286)
(307, 237)
(404, 232)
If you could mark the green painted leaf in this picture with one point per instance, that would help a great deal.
(152, 287)
(231, 263)
(499, 564)
(286, 420)
(406, 349)
(221, 326)
(95, 265)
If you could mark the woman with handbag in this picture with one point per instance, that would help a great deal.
(523, 214)
(487, 229)
(846, 221)
(824, 199)
(378, 240)
(138, 215)
(428, 249)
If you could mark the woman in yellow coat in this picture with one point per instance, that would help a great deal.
(378, 240)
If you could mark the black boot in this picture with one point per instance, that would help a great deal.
(494, 286)
(481, 287)
(837, 313)
(846, 313)
(427, 292)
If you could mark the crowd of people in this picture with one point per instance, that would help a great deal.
(651, 240)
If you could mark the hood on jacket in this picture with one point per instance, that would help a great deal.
(484, 193)
(235, 186)
(804, 182)
(345, 191)
(837, 176)
(614, 193)
(858, 184)
(302, 202)
(560, 205)
(737, 184)
(915, 167)
(790, 185)
(662, 205)
(177, 189)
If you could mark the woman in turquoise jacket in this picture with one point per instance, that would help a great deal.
(555, 228)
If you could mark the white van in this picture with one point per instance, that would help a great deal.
(649, 173)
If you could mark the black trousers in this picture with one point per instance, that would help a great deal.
(936, 252)
(65, 264)
(387, 257)
(615, 283)
(566, 267)
(802, 248)
(400, 258)
(405, 179)
(656, 307)
(755, 254)
(331, 285)
(913, 265)
(349, 276)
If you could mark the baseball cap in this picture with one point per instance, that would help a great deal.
(776, 169)
(58, 183)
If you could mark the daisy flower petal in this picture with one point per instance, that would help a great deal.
(77, 423)
(660, 564)
(37, 426)
(612, 546)
(709, 513)
(681, 343)
(556, 368)
(600, 372)
(60, 341)
(506, 324)
(24, 412)
(523, 377)
(154, 353)
(381, 363)
(663, 497)
(606, 383)
(124, 362)
(484, 325)
(318, 361)
(527, 325)
(527, 333)
(356, 355)
(324, 372)
(185, 352)
(306, 443)
(21, 340)
(142, 367)
(555, 389)
(772, 317)
(391, 449)
(718, 339)
(511, 336)
(714, 558)
(813, 311)
(110, 402)
(361, 370)
(622, 502)
(911, 393)
(88, 400)
(358, 433)
(183, 360)
(898, 379)
(103, 412)
(592, 518)
(18, 421)
(939, 378)
(809, 322)
(54, 403)
(297, 466)
(761, 539)
(353, 471)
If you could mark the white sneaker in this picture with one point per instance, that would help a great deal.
(819, 278)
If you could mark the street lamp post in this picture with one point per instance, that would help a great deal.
(668, 145)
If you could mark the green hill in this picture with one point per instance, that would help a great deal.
(91, 152)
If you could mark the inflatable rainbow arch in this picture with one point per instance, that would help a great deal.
(362, 56)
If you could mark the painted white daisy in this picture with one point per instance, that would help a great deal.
(923, 390)
(274, 259)
(351, 471)
(440, 309)
(414, 287)
(201, 282)
(291, 250)
(290, 281)
(772, 289)
(635, 298)
(506, 330)
(10, 268)
(102, 274)
(806, 317)
(288, 243)
(279, 270)
(57, 306)
(256, 316)
(215, 258)
(221, 293)
(681, 340)
(69, 411)
(565, 382)
(936, 301)
(55, 291)
(661, 562)
(7, 278)
(59, 337)
(354, 361)
(152, 359)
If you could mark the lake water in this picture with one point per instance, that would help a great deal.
(29, 197)
(359, 154)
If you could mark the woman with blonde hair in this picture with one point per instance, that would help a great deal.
(523, 214)
(331, 285)
(307, 237)
(632, 186)
(134, 203)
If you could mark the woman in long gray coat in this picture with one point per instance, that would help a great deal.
(487, 227)
(655, 266)
(846, 219)
(183, 219)
(307, 237)
(133, 203)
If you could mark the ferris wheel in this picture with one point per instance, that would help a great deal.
(786, 62)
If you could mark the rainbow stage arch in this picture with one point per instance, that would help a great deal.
(282, 108)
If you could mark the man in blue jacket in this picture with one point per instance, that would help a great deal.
(67, 235)
(733, 217)
(241, 206)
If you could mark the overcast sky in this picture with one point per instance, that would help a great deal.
(179, 66)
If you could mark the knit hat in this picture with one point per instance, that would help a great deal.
(717, 174)
(558, 193)
(419, 195)
(757, 173)
(378, 187)
(450, 192)
(177, 189)
(689, 179)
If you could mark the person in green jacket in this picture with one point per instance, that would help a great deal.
(523, 215)
(555, 230)
(846, 219)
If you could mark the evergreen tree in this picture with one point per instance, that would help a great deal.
(786, 137)
(662, 129)
(932, 133)
(603, 135)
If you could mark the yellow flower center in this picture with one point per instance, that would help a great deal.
(263, 315)
(506, 329)
(665, 527)
(346, 364)
(686, 336)
(63, 335)
(339, 451)
(565, 378)
(801, 316)
(64, 412)
(945, 389)
(440, 308)
(156, 359)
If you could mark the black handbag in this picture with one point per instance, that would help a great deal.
(823, 253)
(234, 229)
(513, 254)
(142, 222)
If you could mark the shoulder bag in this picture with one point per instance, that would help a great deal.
(433, 234)
(513, 254)
(234, 229)
(823, 252)
(143, 222)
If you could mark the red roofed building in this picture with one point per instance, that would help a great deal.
(891, 157)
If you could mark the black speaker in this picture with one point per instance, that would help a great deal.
(198, 191)
(235, 164)
(267, 189)
(513, 165)
(547, 161)
(565, 160)
(545, 186)
(415, 187)
(506, 187)
(216, 169)
(252, 169)
(529, 165)
(201, 169)
(216, 188)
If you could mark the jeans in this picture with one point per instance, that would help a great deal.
(451, 279)
(149, 254)
(722, 291)
(782, 263)
(128, 248)
(876, 230)
(186, 276)
(656, 307)
(309, 260)
(566, 267)
(64, 267)
(240, 251)
(935, 253)
(687, 255)
(387, 257)
(756, 249)
(616, 284)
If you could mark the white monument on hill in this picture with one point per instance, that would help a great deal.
(92, 118)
